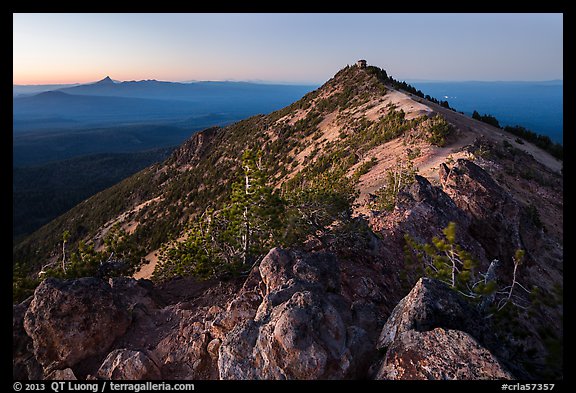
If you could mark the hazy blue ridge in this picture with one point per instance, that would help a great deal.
(106, 102)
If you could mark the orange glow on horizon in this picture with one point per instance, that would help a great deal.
(50, 81)
(82, 79)
(60, 78)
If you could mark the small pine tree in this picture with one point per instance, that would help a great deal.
(438, 130)
(252, 215)
(445, 259)
(233, 237)
(518, 259)
(23, 284)
(317, 207)
(194, 256)
(397, 177)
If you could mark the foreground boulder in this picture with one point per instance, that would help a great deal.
(429, 304)
(301, 330)
(70, 321)
(433, 333)
(439, 354)
(170, 326)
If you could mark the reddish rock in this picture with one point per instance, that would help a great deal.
(301, 328)
(494, 213)
(72, 320)
(435, 333)
(240, 309)
(419, 203)
(439, 354)
(124, 364)
(213, 347)
(429, 304)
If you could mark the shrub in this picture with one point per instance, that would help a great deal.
(485, 118)
(397, 177)
(364, 168)
(437, 130)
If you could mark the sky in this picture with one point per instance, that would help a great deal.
(285, 48)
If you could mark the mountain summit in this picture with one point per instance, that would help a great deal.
(356, 233)
(105, 81)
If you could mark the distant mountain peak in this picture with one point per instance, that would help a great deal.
(105, 81)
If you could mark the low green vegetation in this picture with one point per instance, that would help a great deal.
(437, 130)
(23, 281)
(119, 256)
(230, 240)
(488, 119)
(370, 134)
(364, 168)
(413, 153)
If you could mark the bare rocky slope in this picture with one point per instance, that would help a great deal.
(343, 310)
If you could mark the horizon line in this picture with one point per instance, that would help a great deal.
(295, 83)
(187, 81)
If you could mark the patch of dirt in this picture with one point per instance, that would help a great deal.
(129, 226)
(293, 117)
(147, 270)
(378, 109)
(408, 104)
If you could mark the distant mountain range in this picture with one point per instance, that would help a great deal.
(194, 92)
(107, 102)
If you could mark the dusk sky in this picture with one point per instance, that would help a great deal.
(288, 48)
